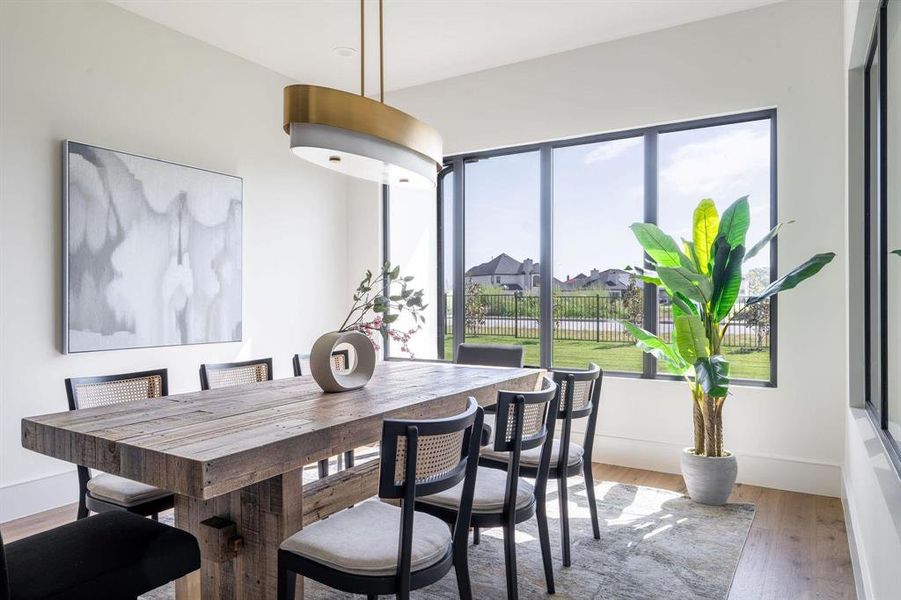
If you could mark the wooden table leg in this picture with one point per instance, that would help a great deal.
(265, 513)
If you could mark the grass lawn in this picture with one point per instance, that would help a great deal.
(616, 356)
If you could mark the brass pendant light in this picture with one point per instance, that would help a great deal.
(361, 137)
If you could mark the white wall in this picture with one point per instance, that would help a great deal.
(95, 73)
(788, 56)
(871, 488)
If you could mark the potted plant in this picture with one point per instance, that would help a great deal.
(378, 302)
(702, 278)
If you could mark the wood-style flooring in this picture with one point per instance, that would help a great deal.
(797, 548)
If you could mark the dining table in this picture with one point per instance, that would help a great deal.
(234, 457)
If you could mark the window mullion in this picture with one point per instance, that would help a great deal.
(649, 368)
(546, 268)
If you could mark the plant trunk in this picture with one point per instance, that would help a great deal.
(698, 414)
(712, 411)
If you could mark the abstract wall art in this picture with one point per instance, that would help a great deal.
(152, 252)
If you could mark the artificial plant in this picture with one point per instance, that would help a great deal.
(702, 279)
(378, 302)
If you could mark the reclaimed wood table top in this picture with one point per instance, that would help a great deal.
(208, 443)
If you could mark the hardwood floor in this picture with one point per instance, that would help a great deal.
(797, 547)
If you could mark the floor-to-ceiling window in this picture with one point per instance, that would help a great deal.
(882, 227)
(502, 214)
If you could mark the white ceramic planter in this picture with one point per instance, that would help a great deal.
(709, 479)
(322, 365)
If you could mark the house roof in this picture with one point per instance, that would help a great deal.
(502, 264)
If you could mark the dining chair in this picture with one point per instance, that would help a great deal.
(340, 359)
(376, 548)
(113, 555)
(491, 355)
(104, 492)
(578, 393)
(222, 375)
(502, 498)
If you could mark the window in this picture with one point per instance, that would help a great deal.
(882, 226)
(541, 238)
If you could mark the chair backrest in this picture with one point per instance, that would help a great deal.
(490, 355)
(4, 576)
(86, 392)
(298, 371)
(578, 395)
(422, 457)
(340, 361)
(222, 375)
(522, 418)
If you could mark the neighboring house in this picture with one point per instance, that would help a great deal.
(612, 281)
(507, 273)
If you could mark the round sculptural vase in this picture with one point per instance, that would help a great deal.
(709, 479)
(322, 363)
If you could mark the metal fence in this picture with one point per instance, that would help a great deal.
(592, 318)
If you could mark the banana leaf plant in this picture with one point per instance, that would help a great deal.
(702, 278)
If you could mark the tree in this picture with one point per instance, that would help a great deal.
(476, 308)
(633, 303)
(757, 316)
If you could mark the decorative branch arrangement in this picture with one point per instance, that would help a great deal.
(388, 295)
(702, 279)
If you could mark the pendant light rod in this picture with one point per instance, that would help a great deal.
(381, 56)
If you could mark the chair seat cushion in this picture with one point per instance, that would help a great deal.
(531, 457)
(122, 491)
(488, 497)
(363, 539)
(110, 555)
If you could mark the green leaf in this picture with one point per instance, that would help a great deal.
(704, 232)
(653, 345)
(660, 247)
(390, 318)
(804, 271)
(682, 305)
(896, 252)
(712, 373)
(691, 285)
(735, 222)
(726, 278)
(691, 339)
(765, 240)
(646, 276)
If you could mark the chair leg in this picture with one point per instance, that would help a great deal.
(544, 538)
(82, 509)
(287, 582)
(348, 459)
(476, 536)
(461, 566)
(592, 503)
(510, 561)
(564, 520)
(371, 597)
(155, 516)
(323, 468)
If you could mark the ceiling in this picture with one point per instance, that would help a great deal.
(425, 40)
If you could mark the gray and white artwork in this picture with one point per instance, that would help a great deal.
(152, 252)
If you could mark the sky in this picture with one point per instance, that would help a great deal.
(598, 191)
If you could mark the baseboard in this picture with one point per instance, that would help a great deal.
(25, 498)
(858, 559)
(777, 472)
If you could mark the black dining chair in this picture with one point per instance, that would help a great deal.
(578, 393)
(502, 498)
(222, 375)
(105, 492)
(376, 548)
(340, 359)
(489, 355)
(113, 555)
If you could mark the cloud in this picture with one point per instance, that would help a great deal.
(607, 150)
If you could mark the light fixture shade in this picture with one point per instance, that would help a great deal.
(360, 137)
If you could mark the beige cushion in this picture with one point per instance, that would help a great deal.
(532, 456)
(488, 496)
(122, 491)
(362, 540)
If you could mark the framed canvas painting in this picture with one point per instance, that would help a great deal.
(152, 252)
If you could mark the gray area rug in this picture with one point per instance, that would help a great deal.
(654, 544)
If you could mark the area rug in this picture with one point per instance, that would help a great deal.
(654, 544)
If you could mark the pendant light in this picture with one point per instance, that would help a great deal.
(361, 137)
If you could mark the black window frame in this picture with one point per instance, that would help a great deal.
(876, 268)
(454, 166)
